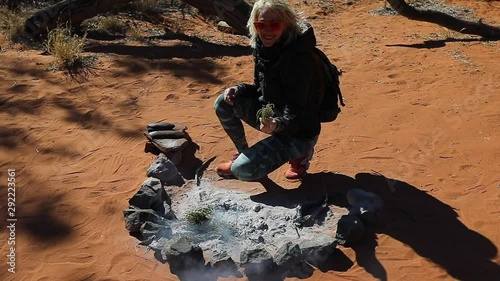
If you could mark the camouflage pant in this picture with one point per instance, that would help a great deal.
(266, 155)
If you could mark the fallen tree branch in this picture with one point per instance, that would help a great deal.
(233, 12)
(445, 20)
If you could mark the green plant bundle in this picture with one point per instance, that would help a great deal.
(266, 113)
(198, 216)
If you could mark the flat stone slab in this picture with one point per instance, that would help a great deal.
(168, 145)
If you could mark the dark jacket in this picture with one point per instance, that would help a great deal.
(285, 75)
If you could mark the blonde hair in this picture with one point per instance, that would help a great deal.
(294, 23)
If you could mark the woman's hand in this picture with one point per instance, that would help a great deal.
(268, 126)
(229, 95)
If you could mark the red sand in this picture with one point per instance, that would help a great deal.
(426, 115)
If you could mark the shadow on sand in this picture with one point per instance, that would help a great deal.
(417, 219)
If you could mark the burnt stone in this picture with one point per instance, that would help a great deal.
(350, 230)
(288, 256)
(134, 218)
(151, 195)
(149, 229)
(318, 250)
(182, 255)
(256, 261)
(164, 170)
(365, 205)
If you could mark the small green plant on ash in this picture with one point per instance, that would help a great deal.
(67, 48)
(266, 113)
(198, 216)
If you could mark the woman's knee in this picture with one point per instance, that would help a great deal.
(246, 170)
(219, 101)
(222, 108)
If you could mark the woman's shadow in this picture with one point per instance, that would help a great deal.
(414, 217)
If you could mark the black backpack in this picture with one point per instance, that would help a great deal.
(330, 94)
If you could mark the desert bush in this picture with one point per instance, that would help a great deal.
(112, 25)
(11, 24)
(67, 48)
(135, 33)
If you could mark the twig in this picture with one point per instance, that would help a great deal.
(199, 171)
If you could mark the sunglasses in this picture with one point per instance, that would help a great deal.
(272, 26)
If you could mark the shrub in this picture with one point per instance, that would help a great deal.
(112, 25)
(11, 24)
(67, 48)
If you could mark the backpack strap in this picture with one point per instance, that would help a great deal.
(318, 69)
(329, 68)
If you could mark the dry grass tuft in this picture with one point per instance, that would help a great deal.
(112, 25)
(67, 48)
(11, 24)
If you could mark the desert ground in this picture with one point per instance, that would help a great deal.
(420, 127)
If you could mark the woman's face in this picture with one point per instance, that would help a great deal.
(269, 27)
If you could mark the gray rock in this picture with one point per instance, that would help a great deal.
(164, 170)
(151, 195)
(365, 205)
(301, 271)
(257, 208)
(222, 26)
(222, 260)
(175, 157)
(158, 244)
(288, 256)
(318, 250)
(182, 254)
(224, 265)
(350, 229)
(134, 218)
(168, 145)
(150, 229)
(256, 261)
(167, 134)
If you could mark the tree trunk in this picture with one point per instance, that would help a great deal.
(234, 12)
(74, 11)
(445, 20)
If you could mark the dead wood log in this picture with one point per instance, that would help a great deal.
(233, 12)
(445, 20)
(74, 11)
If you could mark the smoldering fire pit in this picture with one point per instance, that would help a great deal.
(202, 230)
(202, 226)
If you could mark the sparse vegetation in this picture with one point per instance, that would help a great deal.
(198, 216)
(67, 48)
(459, 56)
(135, 33)
(11, 24)
(146, 6)
(112, 25)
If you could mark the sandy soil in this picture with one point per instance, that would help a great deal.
(422, 110)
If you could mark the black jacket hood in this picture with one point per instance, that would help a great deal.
(270, 55)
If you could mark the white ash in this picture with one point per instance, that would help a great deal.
(237, 223)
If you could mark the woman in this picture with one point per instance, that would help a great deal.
(285, 79)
